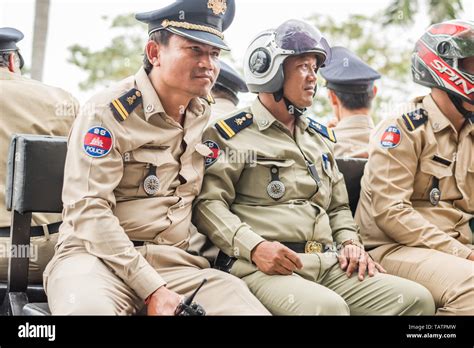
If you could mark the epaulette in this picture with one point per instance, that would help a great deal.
(323, 130)
(414, 119)
(123, 106)
(231, 126)
(209, 99)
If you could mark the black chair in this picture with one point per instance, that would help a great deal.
(35, 172)
(352, 169)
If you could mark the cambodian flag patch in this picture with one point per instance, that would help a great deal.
(212, 145)
(98, 142)
(391, 137)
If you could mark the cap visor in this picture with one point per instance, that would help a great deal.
(200, 36)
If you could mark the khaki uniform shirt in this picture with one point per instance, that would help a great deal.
(235, 209)
(105, 204)
(395, 205)
(353, 134)
(30, 107)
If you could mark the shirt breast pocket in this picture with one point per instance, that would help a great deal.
(141, 163)
(425, 178)
(267, 180)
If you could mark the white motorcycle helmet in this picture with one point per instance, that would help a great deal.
(263, 62)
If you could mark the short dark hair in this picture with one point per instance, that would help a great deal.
(355, 101)
(5, 57)
(161, 37)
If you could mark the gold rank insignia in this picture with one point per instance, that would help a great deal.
(231, 126)
(123, 106)
(414, 119)
(210, 99)
(323, 130)
(217, 6)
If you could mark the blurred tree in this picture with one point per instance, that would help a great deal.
(403, 12)
(121, 58)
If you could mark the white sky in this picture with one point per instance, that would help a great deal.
(81, 22)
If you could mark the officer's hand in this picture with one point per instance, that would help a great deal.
(163, 302)
(275, 258)
(471, 256)
(352, 257)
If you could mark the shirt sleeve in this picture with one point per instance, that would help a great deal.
(212, 215)
(89, 201)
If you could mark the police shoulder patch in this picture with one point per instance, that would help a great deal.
(415, 118)
(123, 106)
(233, 125)
(98, 141)
(215, 149)
(321, 129)
(391, 138)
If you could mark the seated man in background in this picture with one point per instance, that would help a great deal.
(351, 91)
(418, 187)
(28, 107)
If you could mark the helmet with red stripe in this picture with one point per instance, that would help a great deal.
(437, 59)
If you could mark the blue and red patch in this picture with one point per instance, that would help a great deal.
(214, 147)
(98, 142)
(391, 137)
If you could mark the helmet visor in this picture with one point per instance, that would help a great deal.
(301, 37)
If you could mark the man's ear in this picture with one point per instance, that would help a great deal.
(11, 62)
(333, 98)
(153, 52)
(374, 91)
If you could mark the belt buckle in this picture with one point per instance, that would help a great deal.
(313, 247)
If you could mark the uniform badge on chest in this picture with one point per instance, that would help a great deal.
(275, 189)
(435, 193)
(151, 183)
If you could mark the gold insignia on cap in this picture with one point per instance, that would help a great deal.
(191, 26)
(217, 6)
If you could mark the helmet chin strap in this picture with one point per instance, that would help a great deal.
(457, 101)
(292, 109)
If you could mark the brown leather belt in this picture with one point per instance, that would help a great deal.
(35, 231)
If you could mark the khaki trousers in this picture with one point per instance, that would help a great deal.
(80, 283)
(449, 278)
(322, 288)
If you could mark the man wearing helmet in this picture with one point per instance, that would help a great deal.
(418, 189)
(275, 203)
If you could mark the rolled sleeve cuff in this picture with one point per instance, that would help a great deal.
(459, 249)
(146, 282)
(245, 240)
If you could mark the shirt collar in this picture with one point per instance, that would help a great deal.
(151, 101)
(262, 116)
(356, 120)
(435, 116)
